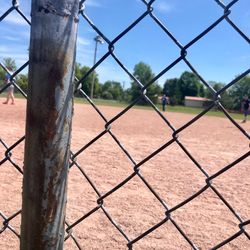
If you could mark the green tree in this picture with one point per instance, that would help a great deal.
(144, 74)
(2, 76)
(10, 63)
(172, 90)
(226, 100)
(239, 90)
(22, 81)
(201, 91)
(112, 90)
(127, 96)
(216, 86)
(189, 85)
(80, 71)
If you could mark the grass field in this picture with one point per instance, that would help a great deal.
(178, 109)
(214, 142)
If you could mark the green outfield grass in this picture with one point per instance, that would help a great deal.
(178, 109)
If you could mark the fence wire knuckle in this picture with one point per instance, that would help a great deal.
(7, 158)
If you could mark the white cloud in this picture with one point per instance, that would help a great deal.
(22, 37)
(11, 38)
(93, 3)
(25, 34)
(82, 41)
(112, 72)
(163, 7)
(84, 56)
(18, 53)
(3, 49)
(17, 56)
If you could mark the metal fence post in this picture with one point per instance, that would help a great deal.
(48, 123)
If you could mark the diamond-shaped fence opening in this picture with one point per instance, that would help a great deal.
(138, 179)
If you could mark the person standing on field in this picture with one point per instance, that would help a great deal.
(164, 102)
(245, 107)
(10, 90)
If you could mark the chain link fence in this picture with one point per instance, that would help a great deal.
(9, 226)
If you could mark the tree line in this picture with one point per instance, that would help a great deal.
(188, 84)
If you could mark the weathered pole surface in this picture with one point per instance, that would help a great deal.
(93, 74)
(48, 123)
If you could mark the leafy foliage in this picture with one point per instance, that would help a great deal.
(80, 72)
(240, 89)
(143, 73)
(187, 85)
(22, 81)
(112, 90)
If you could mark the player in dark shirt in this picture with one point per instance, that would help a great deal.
(164, 102)
(245, 107)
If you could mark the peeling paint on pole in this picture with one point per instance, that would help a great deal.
(48, 123)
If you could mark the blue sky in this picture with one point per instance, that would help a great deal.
(219, 56)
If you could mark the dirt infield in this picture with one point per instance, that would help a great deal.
(213, 142)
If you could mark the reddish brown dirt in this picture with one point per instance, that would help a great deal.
(213, 142)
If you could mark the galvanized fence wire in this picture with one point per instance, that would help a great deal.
(10, 148)
(227, 9)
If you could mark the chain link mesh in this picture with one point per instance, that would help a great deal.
(9, 150)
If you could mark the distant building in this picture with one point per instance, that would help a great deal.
(197, 102)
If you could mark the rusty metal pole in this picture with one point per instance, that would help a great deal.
(48, 123)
